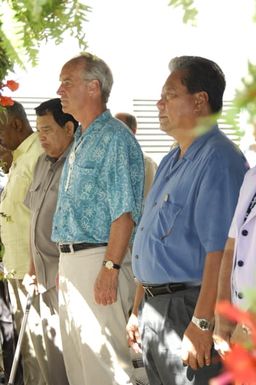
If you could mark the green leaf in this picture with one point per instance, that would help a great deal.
(189, 12)
(38, 21)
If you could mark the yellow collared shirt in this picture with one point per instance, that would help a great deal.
(15, 216)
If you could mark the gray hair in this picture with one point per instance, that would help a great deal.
(96, 69)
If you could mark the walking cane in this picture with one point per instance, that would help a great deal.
(15, 363)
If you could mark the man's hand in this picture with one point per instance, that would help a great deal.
(133, 334)
(105, 288)
(196, 347)
(30, 283)
(221, 335)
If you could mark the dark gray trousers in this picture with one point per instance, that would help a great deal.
(8, 336)
(163, 321)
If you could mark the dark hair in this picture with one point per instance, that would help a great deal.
(95, 69)
(17, 111)
(201, 74)
(54, 107)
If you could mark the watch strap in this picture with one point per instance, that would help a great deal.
(110, 264)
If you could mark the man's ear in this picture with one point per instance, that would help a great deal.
(94, 87)
(17, 125)
(201, 101)
(70, 128)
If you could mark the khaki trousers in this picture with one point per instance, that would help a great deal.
(51, 330)
(32, 349)
(94, 340)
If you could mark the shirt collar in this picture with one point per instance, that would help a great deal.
(62, 157)
(96, 125)
(199, 142)
(24, 146)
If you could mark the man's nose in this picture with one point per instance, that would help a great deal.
(160, 104)
(41, 136)
(60, 90)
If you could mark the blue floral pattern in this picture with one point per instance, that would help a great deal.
(102, 179)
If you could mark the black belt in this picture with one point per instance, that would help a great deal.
(71, 247)
(138, 363)
(168, 288)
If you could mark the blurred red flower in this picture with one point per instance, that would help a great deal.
(242, 364)
(6, 101)
(240, 361)
(12, 85)
(235, 314)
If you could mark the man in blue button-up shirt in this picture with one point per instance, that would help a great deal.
(99, 202)
(180, 239)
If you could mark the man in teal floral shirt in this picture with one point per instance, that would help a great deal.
(100, 197)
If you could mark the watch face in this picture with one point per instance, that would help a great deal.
(203, 324)
(109, 265)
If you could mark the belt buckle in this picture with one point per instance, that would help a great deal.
(172, 288)
(169, 289)
(67, 245)
(71, 248)
(147, 291)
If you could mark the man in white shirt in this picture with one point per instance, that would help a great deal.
(238, 268)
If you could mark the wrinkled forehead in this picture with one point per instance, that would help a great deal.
(72, 70)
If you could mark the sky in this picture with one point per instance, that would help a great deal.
(137, 38)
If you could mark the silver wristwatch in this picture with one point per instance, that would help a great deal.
(202, 323)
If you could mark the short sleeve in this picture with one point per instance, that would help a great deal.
(217, 199)
(125, 177)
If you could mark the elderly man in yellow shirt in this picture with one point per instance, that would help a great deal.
(17, 135)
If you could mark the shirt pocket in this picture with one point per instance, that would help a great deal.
(32, 197)
(84, 180)
(167, 216)
(17, 188)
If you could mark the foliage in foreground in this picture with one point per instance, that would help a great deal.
(240, 361)
(25, 24)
